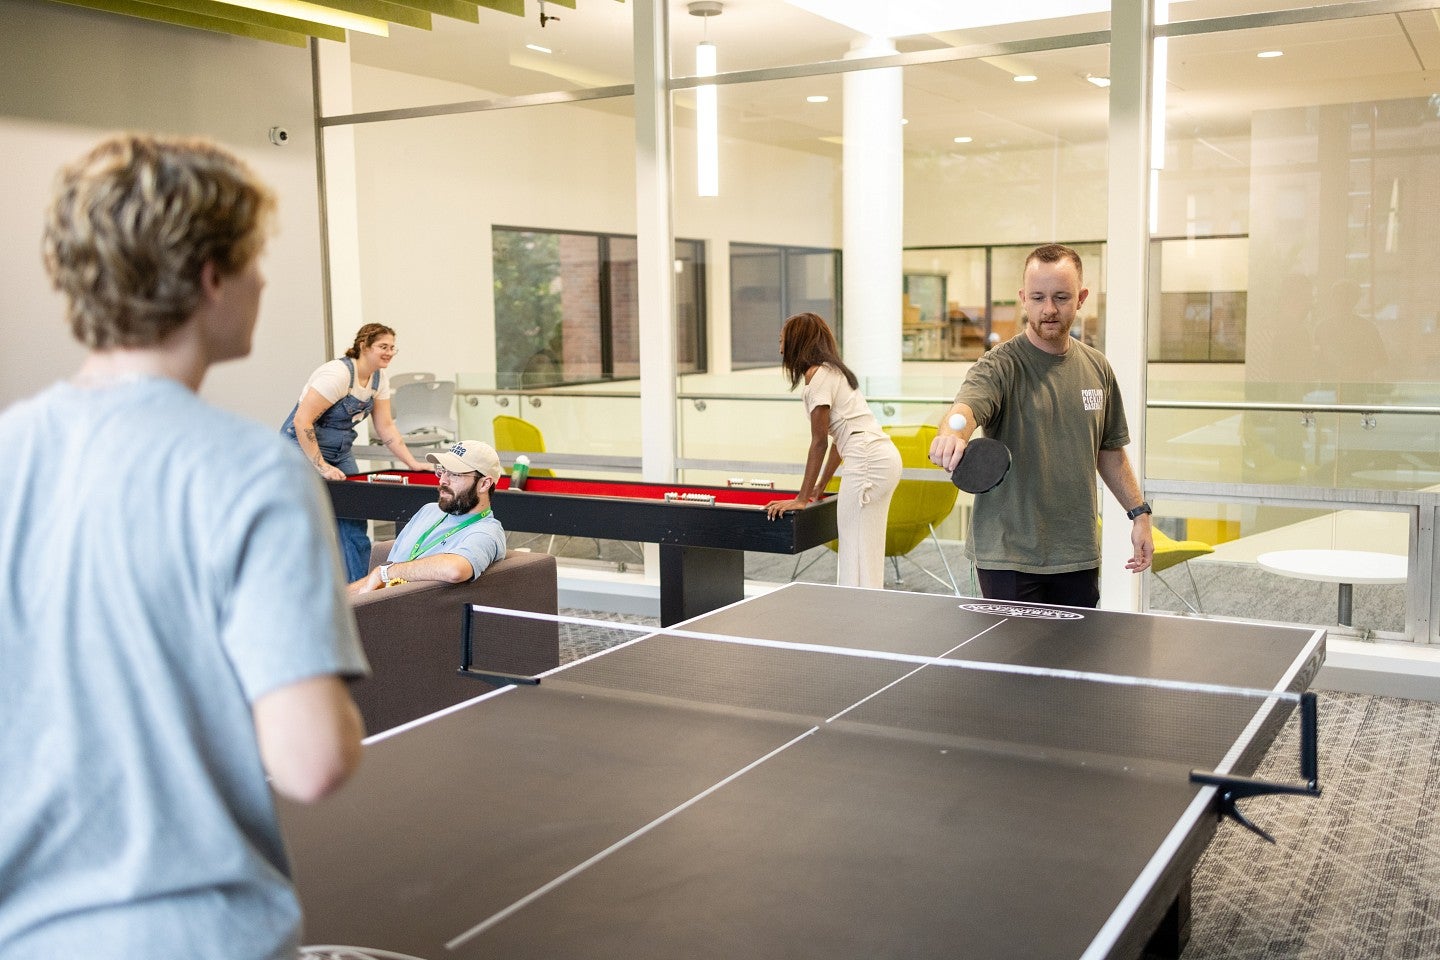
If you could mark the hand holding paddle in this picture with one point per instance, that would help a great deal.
(983, 464)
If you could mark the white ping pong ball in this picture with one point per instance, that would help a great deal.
(957, 422)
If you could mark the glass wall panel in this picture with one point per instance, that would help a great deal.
(426, 254)
(991, 277)
(1294, 203)
(963, 274)
(769, 284)
(500, 56)
(567, 308)
(757, 303)
(1200, 314)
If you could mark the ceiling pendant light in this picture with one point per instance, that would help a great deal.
(707, 107)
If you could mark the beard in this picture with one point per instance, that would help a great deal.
(458, 504)
(1057, 334)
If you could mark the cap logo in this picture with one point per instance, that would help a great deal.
(458, 449)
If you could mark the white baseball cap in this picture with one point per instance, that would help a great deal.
(469, 456)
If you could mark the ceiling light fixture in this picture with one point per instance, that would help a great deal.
(1101, 82)
(1270, 54)
(537, 48)
(1026, 78)
(817, 98)
(707, 106)
(964, 139)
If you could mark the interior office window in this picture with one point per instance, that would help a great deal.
(567, 307)
(769, 283)
(690, 354)
(1202, 298)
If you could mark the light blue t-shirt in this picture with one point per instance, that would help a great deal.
(162, 565)
(482, 542)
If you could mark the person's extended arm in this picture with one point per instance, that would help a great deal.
(309, 734)
(819, 442)
(444, 567)
(949, 445)
(1114, 468)
(312, 407)
(832, 463)
(389, 434)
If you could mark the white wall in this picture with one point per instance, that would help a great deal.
(430, 189)
(73, 75)
(1016, 196)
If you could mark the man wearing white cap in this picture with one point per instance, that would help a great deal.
(454, 539)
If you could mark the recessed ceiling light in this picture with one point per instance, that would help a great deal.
(817, 99)
(1026, 78)
(964, 139)
(1269, 54)
(537, 48)
(1098, 81)
(903, 121)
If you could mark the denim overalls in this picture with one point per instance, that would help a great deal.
(335, 433)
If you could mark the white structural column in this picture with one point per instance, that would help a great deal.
(1127, 256)
(655, 245)
(873, 233)
(339, 205)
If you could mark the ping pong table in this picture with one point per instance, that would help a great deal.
(859, 773)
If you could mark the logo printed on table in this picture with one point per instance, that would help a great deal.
(1015, 610)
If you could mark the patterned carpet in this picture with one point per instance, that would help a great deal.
(1355, 873)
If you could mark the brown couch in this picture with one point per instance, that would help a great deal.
(412, 634)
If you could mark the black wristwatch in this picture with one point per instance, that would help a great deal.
(1143, 508)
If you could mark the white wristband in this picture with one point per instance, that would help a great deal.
(384, 573)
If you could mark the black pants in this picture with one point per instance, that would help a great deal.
(1078, 589)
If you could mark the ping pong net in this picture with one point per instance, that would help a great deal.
(1143, 726)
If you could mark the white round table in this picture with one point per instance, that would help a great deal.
(1345, 567)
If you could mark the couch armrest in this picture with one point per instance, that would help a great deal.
(412, 634)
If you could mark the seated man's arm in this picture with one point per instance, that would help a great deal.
(309, 734)
(444, 567)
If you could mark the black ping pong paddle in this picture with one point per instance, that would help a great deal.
(982, 467)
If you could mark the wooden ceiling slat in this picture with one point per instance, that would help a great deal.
(241, 21)
(516, 7)
(466, 10)
(381, 10)
(260, 18)
(182, 18)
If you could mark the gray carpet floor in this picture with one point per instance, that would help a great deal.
(1355, 873)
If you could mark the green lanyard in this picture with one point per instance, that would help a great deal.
(422, 545)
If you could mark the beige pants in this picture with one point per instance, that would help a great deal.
(870, 477)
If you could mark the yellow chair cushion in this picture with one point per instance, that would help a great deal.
(1169, 553)
(512, 433)
(917, 503)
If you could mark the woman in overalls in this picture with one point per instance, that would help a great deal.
(336, 399)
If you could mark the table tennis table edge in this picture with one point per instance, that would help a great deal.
(1130, 905)
(1110, 932)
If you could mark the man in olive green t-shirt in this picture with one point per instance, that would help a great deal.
(1053, 401)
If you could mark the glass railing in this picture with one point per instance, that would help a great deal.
(1345, 446)
(1237, 478)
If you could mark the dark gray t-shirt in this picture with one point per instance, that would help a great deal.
(1055, 413)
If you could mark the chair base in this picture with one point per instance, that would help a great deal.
(895, 563)
(1196, 608)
